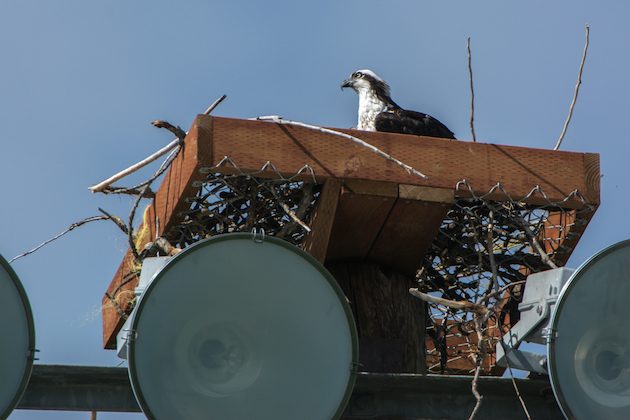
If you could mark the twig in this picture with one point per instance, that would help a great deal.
(575, 93)
(479, 362)
(214, 105)
(289, 212)
(518, 393)
(164, 150)
(462, 305)
(472, 93)
(501, 290)
(129, 191)
(494, 284)
(307, 198)
(160, 245)
(407, 168)
(535, 244)
(176, 130)
(167, 162)
(54, 238)
(117, 220)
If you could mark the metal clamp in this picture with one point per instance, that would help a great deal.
(258, 236)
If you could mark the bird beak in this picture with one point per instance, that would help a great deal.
(347, 83)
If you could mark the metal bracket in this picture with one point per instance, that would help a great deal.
(258, 236)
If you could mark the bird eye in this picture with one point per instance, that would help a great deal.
(358, 74)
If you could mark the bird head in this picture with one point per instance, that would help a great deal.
(363, 81)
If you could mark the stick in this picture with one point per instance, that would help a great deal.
(164, 150)
(479, 361)
(214, 105)
(463, 305)
(117, 220)
(167, 162)
(575, 93)
(518, 393)
(407, 168)
(177, 131)
(472, 93)
(54, 238)
(129, 191)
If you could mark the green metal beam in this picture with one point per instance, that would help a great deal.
(390, 396)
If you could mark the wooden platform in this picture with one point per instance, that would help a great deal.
(370, 209)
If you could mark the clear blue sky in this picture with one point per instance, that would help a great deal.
(80, 81)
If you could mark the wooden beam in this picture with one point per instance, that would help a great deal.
(364, 207)
(318, 240)
(407, 234)
(250, 144)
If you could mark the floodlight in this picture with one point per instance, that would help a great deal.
(589, 347)
(242, 327)
(17, 345)
(583, 316)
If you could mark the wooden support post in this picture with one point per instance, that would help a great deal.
(390, 322)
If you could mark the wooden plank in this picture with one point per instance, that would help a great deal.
(435, 195)
(317, 241)
(250, 144)
(407, 234)
(169, 202)
(363, 209)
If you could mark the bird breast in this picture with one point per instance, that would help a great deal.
(369, 107)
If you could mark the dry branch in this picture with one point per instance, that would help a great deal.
(129, 191)
(54, 238)
(575, 93)
(164, 150)
(472, 93)
(462, 305)
(176, 130)
(117, 221)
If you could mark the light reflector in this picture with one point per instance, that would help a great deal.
(18, 339)
(589, 351)
(234, 328)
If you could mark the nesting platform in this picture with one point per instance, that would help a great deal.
(367, 209)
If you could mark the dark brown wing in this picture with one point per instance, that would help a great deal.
(411, 122)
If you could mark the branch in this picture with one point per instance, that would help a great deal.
(160, 245)
(307, 198)
(407, 168)
(117, 220)
(164, 150)
(214, 105)
(501, 290)
(54, 238)
(536, 245)
(518, 393)
(177, 131)
(479, 362)
(472, 93)
(129, 191)
(167, 162)
(462, 305)
(575, 94)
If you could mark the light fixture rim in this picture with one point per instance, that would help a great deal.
(133, 375)
(553, 323)
(28, 369)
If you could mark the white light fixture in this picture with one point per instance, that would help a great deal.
(584, 318)
(17, 345)
(242, 327)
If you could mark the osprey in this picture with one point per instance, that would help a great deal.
(378, 112)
